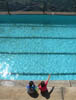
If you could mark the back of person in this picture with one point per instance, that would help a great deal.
(31, 88)
(43, 86)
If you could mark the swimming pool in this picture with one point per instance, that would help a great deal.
(33, 46)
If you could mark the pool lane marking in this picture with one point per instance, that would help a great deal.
(59, 38)
(38, 53)
(36, 74)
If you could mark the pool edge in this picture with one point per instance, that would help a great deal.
(35, 13)
(23, 83)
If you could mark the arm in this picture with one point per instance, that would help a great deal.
(49, 77)
(47, 80)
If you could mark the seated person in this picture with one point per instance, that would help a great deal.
(43, 85)
(31, 88)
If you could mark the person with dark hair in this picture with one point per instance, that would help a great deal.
(43, 88)
(31, 88)
(43, 85)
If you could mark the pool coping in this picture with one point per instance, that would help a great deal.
(23, 83)
(35, 13)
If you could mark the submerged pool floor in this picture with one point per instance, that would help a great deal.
(32, 51)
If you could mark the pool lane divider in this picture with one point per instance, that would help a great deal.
(38, 53)
(60, 38)
(36, 74)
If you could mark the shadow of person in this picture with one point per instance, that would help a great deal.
(47, 94)
(34, 95)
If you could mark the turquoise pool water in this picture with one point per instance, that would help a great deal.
(33, 46)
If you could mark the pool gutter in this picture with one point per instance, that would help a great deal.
(35, 13)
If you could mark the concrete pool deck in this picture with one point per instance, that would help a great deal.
(15, 90)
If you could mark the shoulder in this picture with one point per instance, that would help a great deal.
(27, 86)
(39, 86)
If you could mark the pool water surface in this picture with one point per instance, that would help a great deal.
(33, 47)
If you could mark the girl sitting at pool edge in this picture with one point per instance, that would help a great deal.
(31, 87)
(43, 85)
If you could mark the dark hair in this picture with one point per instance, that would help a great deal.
(42, 83)
(31, 83)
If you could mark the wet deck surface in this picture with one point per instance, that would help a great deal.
(15, 90)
